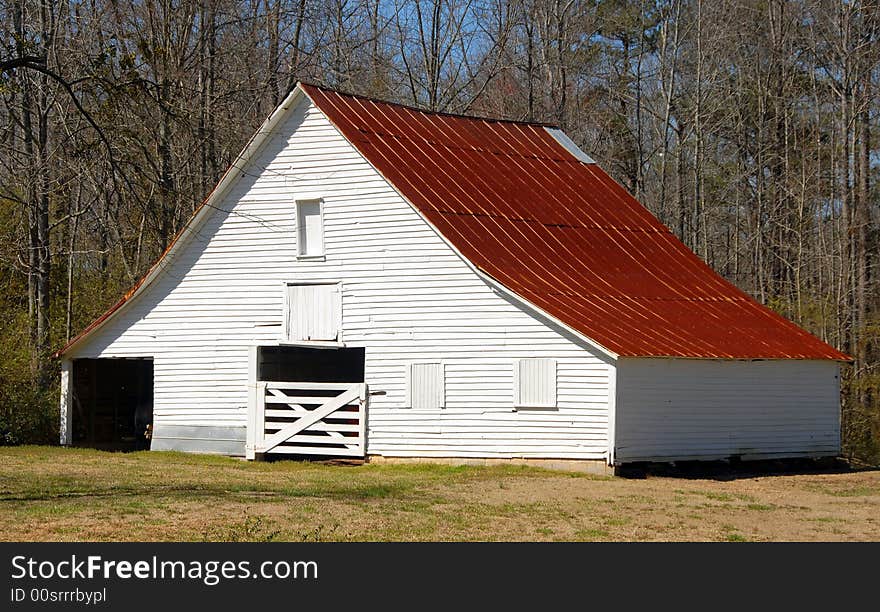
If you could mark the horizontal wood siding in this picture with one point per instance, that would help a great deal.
(706, 409)
(406, 297)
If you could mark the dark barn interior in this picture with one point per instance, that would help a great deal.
(301, 364)
(112, 403)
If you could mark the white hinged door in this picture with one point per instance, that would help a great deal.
(314, 312)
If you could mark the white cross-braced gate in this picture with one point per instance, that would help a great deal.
(307, 418)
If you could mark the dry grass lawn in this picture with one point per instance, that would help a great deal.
(49, 493)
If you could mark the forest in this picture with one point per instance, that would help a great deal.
(751, 128)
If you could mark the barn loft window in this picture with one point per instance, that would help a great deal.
(314, 312)
(309, 229)
(425, 386)
(534, 383)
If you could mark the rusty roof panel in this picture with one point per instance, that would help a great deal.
(562, 234)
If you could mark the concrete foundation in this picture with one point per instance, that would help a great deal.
(588, 466)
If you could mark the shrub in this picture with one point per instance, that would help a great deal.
(27, 416)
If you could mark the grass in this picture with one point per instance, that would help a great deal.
(50, 493)
(590, 535)
(736, 537)
(761, 507)
(853, 492)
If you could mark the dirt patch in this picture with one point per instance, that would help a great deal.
(791, 507)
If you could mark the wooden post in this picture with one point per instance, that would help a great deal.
(259, 416)
(66, 408)
(250, 437)
(612, 412)
(362, 409)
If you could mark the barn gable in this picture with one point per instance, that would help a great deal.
(406, 296)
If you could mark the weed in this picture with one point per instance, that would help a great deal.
(736, 537)
(590, 535)
(252, 529)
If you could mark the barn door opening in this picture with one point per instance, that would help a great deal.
(308, 401)
(112, 403)
(306, 364)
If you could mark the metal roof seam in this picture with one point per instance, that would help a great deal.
(556, 225)
(651, 332)
(466, 241)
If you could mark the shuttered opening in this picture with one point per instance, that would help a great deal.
(314, 312)
(534, 382)
(426, 388)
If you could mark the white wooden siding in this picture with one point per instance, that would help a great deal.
(708, 409)
(406, 297)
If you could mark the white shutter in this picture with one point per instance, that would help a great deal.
(314, 312)
(425, 386)
(534, 383)
(310, 233)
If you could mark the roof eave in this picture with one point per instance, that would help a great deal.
(841, 358)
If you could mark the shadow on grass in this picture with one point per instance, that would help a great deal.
(737, 469)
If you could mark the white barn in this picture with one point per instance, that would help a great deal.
(376, 281)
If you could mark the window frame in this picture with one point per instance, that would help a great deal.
(518, 404)
(300, 229)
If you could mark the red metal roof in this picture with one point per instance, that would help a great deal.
(562, 234)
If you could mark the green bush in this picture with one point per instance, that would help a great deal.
(26, 415)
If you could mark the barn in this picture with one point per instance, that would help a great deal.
(373, 280)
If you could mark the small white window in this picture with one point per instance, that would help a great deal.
(425, 386)
(534, 383)
(309, 228)
(314, 312)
